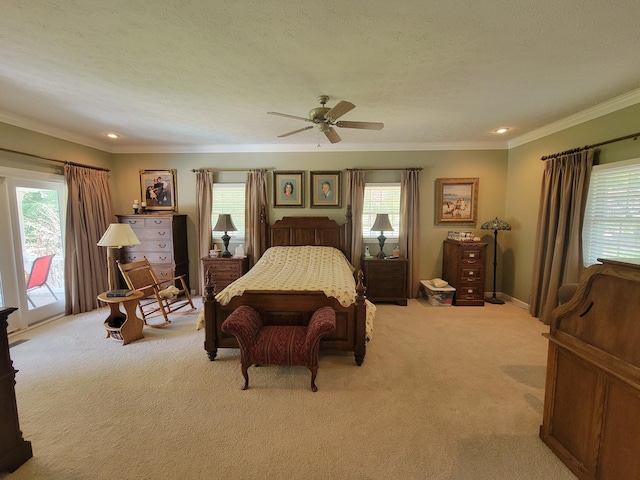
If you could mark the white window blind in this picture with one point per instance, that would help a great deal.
(229, 198)
(381, 198)
(611, 226)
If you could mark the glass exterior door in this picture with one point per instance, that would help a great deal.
(43, 255)
(32, 268)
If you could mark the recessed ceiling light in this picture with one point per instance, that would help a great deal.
(501, 130)
(112, 135)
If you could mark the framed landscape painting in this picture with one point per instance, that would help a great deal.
(158, 189)
(456, 201)
(288, 189)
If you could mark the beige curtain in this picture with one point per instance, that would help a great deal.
(410, 226)
(558, 250)
(89, 213)
(255, 200)
(355, 198)
(204, 200)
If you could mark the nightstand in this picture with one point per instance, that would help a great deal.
(224, 270)
(386, 279)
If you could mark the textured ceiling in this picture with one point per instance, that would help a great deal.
(200, 75)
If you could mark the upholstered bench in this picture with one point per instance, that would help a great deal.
(278, 344)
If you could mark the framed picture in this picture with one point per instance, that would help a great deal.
(456, 201)
(158, 189)
(325, 189)
(288, 189)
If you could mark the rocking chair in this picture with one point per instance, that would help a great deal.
(161, 297)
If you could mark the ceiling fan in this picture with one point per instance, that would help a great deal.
(326, 118)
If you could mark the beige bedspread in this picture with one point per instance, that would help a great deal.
(305, 268)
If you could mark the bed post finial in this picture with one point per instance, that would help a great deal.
(360, 288)
(348, 235)
(264, 225)
(209, 286)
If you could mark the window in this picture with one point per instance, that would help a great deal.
(229, 198)
(611, 226)
(381, 198)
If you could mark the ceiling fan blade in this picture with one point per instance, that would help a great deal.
(339, 110)
(289, 116)
(363, 125)
(332, 135)
(295, 131)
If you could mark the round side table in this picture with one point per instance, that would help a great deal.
(125, 326)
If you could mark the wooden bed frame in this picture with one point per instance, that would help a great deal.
(294, 307)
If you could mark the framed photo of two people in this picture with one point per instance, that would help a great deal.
(325, 189)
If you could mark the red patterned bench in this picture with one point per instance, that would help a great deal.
(278, 344)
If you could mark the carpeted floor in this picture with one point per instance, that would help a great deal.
(444, 393)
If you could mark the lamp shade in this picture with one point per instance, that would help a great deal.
(495, 224)
(225, 224)
(382, 223)
(119, 235)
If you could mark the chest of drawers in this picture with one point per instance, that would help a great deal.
(463, 266)
(224, 270)
(163, 240)
(386, 279)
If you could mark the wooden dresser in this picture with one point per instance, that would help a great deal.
(463, 266)
(163, 240)
(224, 270)
(386, 279)
(14, 450)
(591, 417)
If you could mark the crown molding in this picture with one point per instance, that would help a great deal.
(296, 148)
(610, 106)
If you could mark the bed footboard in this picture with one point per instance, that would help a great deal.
(289, 308)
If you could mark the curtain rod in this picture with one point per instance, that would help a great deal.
(587, 147)
(227, 169)
(418, 169)
(62, 162)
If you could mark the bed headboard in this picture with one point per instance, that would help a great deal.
(318, 231)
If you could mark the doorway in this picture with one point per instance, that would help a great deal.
(32, 264)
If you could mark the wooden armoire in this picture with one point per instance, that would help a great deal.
(14, 450)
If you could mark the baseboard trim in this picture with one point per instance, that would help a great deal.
(513, 301)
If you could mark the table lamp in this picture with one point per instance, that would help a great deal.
(118, 235)
(382, 225)
(225, 224)
(495, 225)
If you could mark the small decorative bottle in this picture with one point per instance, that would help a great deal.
(396, 251)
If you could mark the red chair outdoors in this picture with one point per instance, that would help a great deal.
(39, 275)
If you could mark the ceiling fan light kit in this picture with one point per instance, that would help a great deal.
(326, 118)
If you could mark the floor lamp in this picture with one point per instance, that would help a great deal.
(495, 225)
(118, 235)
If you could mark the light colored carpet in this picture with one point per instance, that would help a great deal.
(444, 393)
